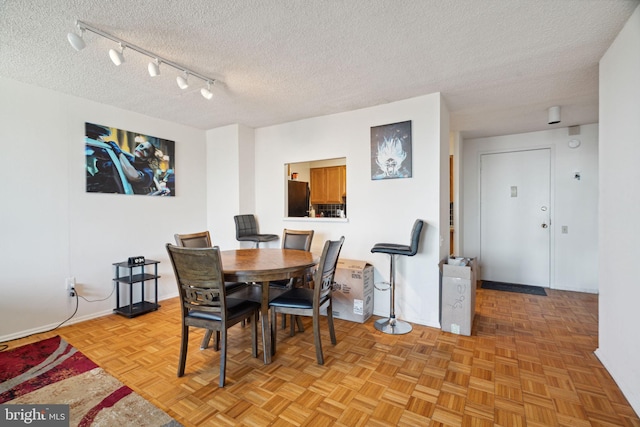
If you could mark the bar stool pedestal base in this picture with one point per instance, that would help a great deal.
(393, 326)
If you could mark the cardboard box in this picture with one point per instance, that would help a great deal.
(457, 297)
(463, 272)
(353, 291)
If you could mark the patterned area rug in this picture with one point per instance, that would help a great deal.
(53, 372)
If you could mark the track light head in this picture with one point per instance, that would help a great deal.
(554, 115)
(206, 91)
(117, 57)
(154, 68)
(76, 41)
(182, 81)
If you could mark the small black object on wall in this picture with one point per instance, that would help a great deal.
(135, 260)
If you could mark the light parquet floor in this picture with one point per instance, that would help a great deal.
(529, 362)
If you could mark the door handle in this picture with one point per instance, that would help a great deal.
(544, 225)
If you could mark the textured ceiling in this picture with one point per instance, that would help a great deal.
(498, 63)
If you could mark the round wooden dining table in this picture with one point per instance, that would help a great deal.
(262, 265)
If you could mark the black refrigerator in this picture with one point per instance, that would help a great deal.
(298, 198)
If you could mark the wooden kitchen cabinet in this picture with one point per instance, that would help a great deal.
(318, 184)
(328, 184)
(336, 184)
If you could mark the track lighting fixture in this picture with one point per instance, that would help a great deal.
(206, 92)
(183, 81)
(117, 56)
(154, 68)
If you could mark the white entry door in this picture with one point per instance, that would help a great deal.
(515, 217)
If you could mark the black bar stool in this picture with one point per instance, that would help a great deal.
(392, 325)
(247, 230)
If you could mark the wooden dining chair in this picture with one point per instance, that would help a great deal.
(299, 240)
(294, 239)
(202, 239)
(204, 303)
(308, 302)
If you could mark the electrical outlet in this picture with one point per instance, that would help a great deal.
(70, 286)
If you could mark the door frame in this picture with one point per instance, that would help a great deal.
(552, 191)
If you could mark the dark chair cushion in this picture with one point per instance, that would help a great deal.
(235, 308)
(391, 248)
(294, 298)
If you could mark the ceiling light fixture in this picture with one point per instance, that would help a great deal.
(117, 57)
(554, 115)
(78, 43)
(76, 40)
(206, 92)
(154, 68)
(183, 82)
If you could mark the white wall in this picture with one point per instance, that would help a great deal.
(378, 211)
(619, 317)
(574, 203)
(53, 229)
(230, 176)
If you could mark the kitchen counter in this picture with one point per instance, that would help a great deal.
(316, 219)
